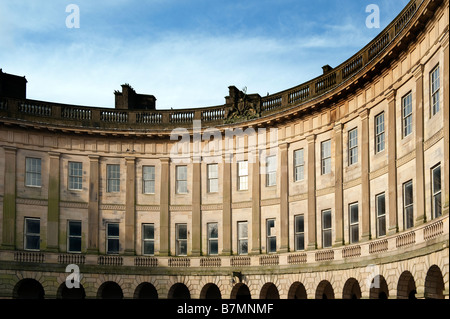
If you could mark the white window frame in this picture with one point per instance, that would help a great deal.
(146, 240)
(380, 214)
(75, 174)
(113, 178)
(408, 208)
(271, 170)
(434, 90)
(180, 241)
(436, 193)
(407, 110)
(353, 146)
(71, 236)
(33, 172)
(242, 239)
(110, 237)
(181, 186)
(353, 223)
(213, 177)
(325, 157)
(271, 236)
(379, 133)
(299, 165)
(242, 171)
(211, 239)
(299, 234)
(148, 179)
(27, 233)
(328, 231)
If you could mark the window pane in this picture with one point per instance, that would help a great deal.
(300, 242)
(182, 231)
(113, 245)
(242, 230)
(149, 247)
(409, 219)
(272, 244)
(326, 219)
(436, 179)
(354, 233)
(181, 173)
(213, 185)
(327, 238)
(213, 247)
(32, 242)
(381, 209)
(213, 171)
(437, 205)
(243, 168)
(382, 226)
(213, 230)
(75, 228)
(299, 224)
(149, 232)
(353, 214)
(182, 247)
(33, 226)
(113, 229)
(408, 194)
(243, 247)
(75, 244)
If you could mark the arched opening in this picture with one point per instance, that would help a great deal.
(351, 289)
(241, 292)
(406, 287)
(297, 291)
(28, 289)
(434, 283)
(210, 291)
(324, 290)
(179, 291)
(70, 293)
(110, 290)
(378, 288)
(269, 291)
(145, 291)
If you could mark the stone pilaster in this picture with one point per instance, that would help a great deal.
(365, 173)
(284, 198)
(93, 206)
(312, 236)
(446, 110)
(226, 206)
(392, 163)
(419, 134)
(9, 199)
(196, 207)
(338, 190)
(164, 218)
(130, 206)
(53, 203)
(256, 205)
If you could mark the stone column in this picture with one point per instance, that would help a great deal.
(446, 110)
(226, 206)
(9, 199)
(130, 206)
(392, 163)
(53, 203)
(284, 198)
(196, 207)
(420, 179)
(93, 211)
(256, 203)
(164, 218)
(312, 237)
(365, 175)
(338, 190)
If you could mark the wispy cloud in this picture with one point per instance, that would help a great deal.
(185, 65)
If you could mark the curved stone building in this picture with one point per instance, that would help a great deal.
(336, 188)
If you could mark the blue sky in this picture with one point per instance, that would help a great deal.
(186, 53)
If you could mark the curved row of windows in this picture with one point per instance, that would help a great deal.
(406, 289)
